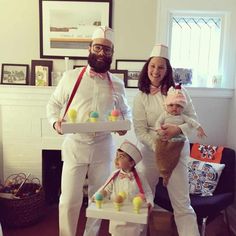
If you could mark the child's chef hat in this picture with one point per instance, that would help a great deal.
(176, 96)
(131, 150)
(160, 50)
(103, 32)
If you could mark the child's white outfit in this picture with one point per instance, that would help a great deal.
(168, 152)
(126, 182)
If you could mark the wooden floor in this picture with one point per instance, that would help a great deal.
(48, 226)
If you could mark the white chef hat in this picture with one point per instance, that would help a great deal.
(160, 50)
(103, 32)
(131, 150)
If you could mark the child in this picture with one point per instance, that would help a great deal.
(168, 151)
(129, 182)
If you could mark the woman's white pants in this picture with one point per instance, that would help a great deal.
(178, 189)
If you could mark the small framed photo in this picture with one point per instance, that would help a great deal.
(121, 74)
(182, 75)
(15, 74)
(41, 73)
(134, 68)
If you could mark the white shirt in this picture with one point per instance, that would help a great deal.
(93, 94)
(146, 110)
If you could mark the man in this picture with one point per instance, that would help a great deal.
(87, 153)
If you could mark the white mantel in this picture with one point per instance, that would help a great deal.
(24, 129)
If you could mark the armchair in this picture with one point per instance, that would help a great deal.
(208, 207)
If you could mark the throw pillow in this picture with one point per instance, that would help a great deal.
(203, 176)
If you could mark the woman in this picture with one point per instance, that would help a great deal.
(155, 80)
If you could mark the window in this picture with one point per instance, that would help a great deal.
(195, 43)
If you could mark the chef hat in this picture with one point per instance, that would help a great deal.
(131, 150)
(160, 50)
(176, 96)
(103, 32)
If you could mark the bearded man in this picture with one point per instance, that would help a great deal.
(87, 154)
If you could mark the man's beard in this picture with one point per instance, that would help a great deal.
(99, 66)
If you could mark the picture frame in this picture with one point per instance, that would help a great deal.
(71, 36)
(182, 75)
(121, 74)
(16, 74)
(41, 73)
(133, 67)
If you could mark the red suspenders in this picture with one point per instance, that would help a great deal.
(74, 91)
(137, 179)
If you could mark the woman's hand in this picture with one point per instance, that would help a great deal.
(169, 131)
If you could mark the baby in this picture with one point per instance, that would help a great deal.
(168, 151)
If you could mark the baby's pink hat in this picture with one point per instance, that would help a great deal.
(176, 96)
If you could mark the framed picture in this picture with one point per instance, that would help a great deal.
(134, 67)
(41, 73)
(66, 26)
(121, 74)
(182, 75)
(15, 74)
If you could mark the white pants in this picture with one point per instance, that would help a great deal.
(121, 228)
(1, 230)
(93, 159)
(178, 189)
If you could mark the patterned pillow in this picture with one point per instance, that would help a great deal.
(203, 176)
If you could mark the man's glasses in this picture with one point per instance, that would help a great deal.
(106, 50)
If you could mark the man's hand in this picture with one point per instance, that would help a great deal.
(150, 207)
(57, 126)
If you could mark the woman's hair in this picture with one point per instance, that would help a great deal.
(144, 81)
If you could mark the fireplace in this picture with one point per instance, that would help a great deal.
(51, 175)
